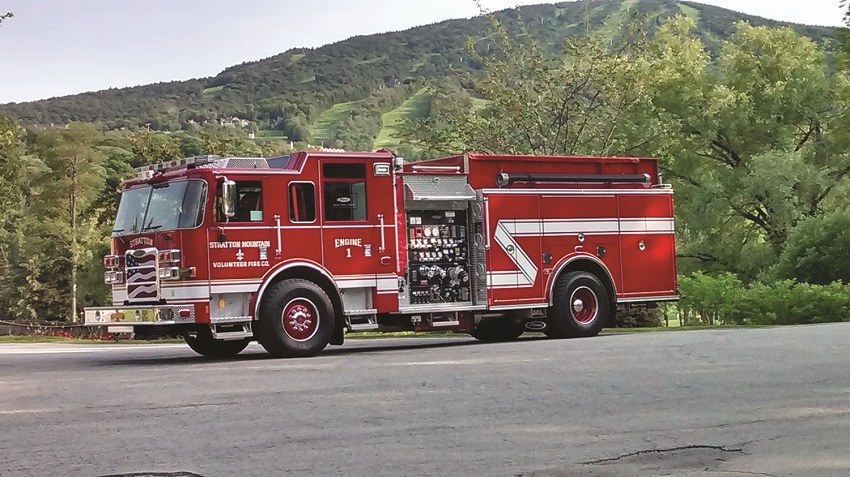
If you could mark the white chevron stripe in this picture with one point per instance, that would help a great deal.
(507, 231)
(505, 239)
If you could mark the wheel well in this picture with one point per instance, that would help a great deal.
(596, 269)
(320, 279)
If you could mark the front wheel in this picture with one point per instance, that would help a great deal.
(204, 344)
(296, 319)
(579, 306)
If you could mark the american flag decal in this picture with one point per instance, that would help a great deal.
(142, 282)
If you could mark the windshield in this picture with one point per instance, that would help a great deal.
(166, 206)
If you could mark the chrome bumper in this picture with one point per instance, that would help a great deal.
(140, 315)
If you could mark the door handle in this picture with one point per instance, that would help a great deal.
(383, 242)
(386, 260)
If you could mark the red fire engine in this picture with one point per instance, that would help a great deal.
(295, 251)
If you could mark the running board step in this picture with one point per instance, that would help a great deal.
(229, 332)
(362, 323)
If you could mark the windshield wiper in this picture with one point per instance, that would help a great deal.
(151, 227)
(117, 231)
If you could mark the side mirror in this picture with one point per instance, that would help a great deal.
(228, 198)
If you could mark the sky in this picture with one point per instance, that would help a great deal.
(60, 47)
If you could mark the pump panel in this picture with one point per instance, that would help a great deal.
(438, 257)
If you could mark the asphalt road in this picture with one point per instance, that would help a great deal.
(720, 402)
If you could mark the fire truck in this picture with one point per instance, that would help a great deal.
(299, 250)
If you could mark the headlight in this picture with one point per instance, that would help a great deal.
(169, 273)
(113, 277)
(169, 256)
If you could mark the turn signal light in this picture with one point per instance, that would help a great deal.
(111, 261)
(188, 272)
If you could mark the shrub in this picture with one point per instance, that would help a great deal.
(726, 300)
(638, 318)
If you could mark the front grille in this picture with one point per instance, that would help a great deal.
(142, 279)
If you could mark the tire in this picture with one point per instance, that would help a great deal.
(296, 319)
(205, 345)
(497, 331)
(580, 307)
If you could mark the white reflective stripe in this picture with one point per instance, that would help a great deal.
(632, 225)
(507, 280)
(516, 254)
(523, 227)
(358, 283)
(387, 284)
(234, 288)
(190, 292)
(119, 295)
(382, 282)
(569, 227)
(660, 225)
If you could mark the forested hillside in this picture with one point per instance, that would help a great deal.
(286, 96)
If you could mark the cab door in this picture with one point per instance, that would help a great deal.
(241, 248)
(357, 216)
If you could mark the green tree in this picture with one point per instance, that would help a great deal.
(12, 167)
(761, 147)
(816, 250)
(73, 175)
(153, 148)
(597, 99)
(228, 143)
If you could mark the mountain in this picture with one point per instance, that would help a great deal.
(318, 93)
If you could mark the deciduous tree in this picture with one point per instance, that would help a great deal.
(72, 177)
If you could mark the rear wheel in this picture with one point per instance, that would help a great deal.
(493, 331)
(579, 306)
(296, 319)
(204, 344)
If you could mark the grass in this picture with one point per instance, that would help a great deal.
(414, 107)
(615, 22)
(415, 67)
(617, 331)
(478, 104)
(322, 130)
(271, 134)
(373, 60)
(690, 12)
(60, 339)
(214, 89)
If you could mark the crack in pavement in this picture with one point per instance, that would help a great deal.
(745, 472)
(661, 451)
(155, 474)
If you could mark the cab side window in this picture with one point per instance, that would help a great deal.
(302, 202)
(344, 192)
(249, 203)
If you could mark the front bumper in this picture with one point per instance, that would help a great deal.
(140, 315)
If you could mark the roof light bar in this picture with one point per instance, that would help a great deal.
(148, 171)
